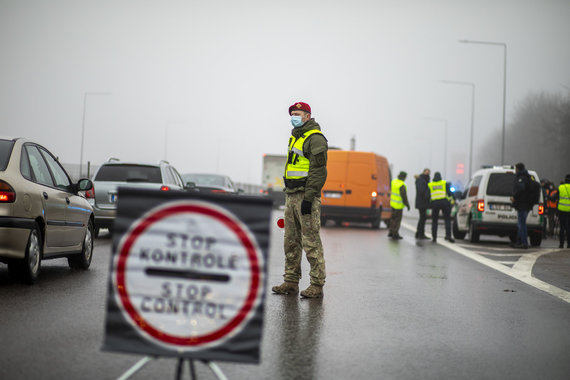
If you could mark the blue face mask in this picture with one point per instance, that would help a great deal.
(296, 121)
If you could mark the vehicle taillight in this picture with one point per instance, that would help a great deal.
(540, 209)
(7, 193)
(164, 188)
(373, 197)
(480, 205)
(218, 191)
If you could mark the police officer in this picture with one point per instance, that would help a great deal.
(564, 211)
(305, 175)
(398, 199)
(439, 192)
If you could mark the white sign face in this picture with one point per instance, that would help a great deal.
(188, 275)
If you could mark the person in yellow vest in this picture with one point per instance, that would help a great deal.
(439, 192)
(398, 199)
(564, 211)
(305, 175)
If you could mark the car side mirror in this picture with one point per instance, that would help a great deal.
(241, 191)
(84, 184)
(190, 186)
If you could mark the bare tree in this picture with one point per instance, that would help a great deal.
(539, 136)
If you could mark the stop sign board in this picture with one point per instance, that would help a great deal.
(187, 276)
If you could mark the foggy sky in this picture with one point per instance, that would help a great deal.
(215, 78)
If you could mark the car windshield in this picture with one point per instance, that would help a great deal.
(204, 179)
(5, 151)
(501, 184)
(129, 173)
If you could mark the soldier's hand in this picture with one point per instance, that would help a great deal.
(306, 207)
(408, 206)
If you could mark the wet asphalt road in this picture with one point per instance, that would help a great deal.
(392, 310)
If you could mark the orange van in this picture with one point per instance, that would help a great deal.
(357, 188)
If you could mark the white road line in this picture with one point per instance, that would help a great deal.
(499, 254)
(521, 273)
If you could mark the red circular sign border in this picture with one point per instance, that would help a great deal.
(140, 321)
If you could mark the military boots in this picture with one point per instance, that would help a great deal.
(287, 287)
(313, 291)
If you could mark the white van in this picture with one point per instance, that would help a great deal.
(486, 208)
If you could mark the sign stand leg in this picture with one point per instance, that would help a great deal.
(179, 369)
(192, 369)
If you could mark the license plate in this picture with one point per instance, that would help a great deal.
(330, 194)
(500, 207)
(113, 198)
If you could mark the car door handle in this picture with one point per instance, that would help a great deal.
(67, 200)
(348, 191)
(45, 195)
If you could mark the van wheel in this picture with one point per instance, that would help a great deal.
(456, 233)
(376, 222)
(473, 234)
(513, 238)
(535, 239)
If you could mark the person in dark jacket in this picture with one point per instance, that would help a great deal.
(522, 202)
(422, 202)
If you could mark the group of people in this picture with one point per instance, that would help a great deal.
(306, 173)
(557, 204)
(435, 195)
(557, 209)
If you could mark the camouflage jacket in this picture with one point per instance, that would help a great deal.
(315, 149)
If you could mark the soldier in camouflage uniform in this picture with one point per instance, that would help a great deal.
(305, 175)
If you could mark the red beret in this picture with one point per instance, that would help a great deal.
(300, 106)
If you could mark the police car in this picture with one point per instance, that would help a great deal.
(485, 207)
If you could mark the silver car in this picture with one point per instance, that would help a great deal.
(115, 173)
(42, 214)
(211, 183)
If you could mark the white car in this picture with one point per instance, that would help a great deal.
(486, 208)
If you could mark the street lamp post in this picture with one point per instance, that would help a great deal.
(444, 142)
(472, 116)
(83, 126)
(504, 45)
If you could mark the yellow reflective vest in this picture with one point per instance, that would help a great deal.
(297, 166)
(564, 197)
(396, 198)
(438, 190)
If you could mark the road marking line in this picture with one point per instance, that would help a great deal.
(499, 254)
(521, 273)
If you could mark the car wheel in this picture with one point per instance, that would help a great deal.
(338, 222)
(82, 260)
(323, 222)
(456, 233)
(96, 231)
(513, 238)
(28, 269)
(473, 234)
(535, 239)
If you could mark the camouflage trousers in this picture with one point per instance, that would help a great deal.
(302, 233)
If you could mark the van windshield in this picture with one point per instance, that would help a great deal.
(501, 184)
